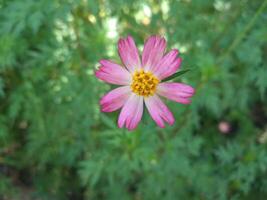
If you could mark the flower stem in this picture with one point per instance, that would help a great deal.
(235, 43)
(241, 35)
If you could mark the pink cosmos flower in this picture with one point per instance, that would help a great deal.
(140, 82)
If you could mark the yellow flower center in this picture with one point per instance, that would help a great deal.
(144, 83)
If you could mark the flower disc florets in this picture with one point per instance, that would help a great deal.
(144, 83)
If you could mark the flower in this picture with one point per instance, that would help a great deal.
(224, 127)
(140, 82)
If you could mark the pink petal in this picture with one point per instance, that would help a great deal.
(113, 73)
(129, 53)
(178, 92)
(131, 112)
(159, 111)
(168, 65)
(153, 51)
(115, 99)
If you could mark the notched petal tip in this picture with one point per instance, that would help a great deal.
(120, 42)
(113, 73)
(177, 64)
(175, 51)
(103, 61)
(159, 111)
(177, 92)
(153, 52)
(168, 64)
(131, 128)
(104, 110)
(156, 37)
(187, 89)
(130, 38)
(97, 74)
(193, 91)
(184, 101)
(160, 125)
(131, 113)
(102, 100)
(171, 121)
(114, 99)
(120, 124)
(129, 53)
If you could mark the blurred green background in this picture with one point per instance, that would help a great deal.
(56, 144)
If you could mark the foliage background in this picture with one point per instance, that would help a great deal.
(56, 144)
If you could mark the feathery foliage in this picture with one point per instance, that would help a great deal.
(56, 144)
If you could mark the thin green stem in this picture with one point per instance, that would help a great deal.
(229, 50)
(242, 34)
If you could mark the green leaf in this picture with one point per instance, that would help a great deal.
(176, 75)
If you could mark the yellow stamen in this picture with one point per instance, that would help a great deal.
(144, 83)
